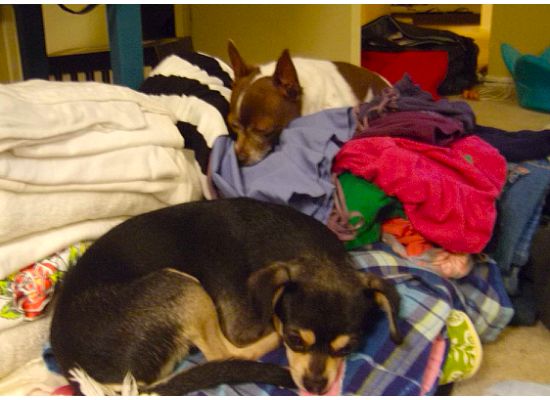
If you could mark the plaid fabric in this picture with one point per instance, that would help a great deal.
(381, 367)
(482, 295)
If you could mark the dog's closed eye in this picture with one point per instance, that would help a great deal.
(343, 345)
(236, 126)
(300, 340)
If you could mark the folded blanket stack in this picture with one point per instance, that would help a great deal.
(76, 159)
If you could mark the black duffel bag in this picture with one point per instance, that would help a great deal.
(387, 34)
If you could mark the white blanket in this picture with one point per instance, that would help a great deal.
(158, 131)
(26, 213)
(32, 379)
(28, 249)
(186, 186)
(21, 344)
(77, 158)
(143, 163)
(38, 109)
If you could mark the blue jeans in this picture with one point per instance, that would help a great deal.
(519, 212)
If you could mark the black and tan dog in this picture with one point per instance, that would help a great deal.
(230, 277)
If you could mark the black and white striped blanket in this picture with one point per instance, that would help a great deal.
(196, 88)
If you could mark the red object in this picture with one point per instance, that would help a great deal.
(427, 69)
(448, 193)
(66, 390)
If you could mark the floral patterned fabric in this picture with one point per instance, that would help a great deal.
(25, 294)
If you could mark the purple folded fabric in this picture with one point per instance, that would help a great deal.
(428, 127)
(406, 96)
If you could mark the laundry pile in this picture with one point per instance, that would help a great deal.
(422, 153)
(76, 159)
(409, 156)
(415, 172)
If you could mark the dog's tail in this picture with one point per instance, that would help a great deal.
(217, 372)
(202, 376)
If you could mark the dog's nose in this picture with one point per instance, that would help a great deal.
(242, 156)
(315, 384)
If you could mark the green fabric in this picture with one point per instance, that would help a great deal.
(465, 351)
(372, 203)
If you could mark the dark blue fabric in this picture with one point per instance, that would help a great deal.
(516, 146)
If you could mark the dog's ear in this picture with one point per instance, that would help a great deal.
(266, 285)
(240, 67)
(387, 297)
(285, 77)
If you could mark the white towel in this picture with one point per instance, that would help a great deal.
(185, 186)
(147, 163)
(38, 109)
(26, 213)
(23, 251)
(143, 163)
(33, 378)
(22, 343)
(25, 120)
(40, 91)
(159, 131)
(153, 187)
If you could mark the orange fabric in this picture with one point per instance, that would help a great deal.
(414, 243)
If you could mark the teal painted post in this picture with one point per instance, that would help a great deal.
(125, 39)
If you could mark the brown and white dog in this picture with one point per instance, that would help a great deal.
(266, 98)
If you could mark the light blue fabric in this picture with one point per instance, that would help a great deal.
(298, 170)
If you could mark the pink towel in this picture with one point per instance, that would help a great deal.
(448, 193)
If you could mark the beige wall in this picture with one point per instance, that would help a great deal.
(525, 27)
(69, 32)
(370, 12)
(182, 19)
(261, 32)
